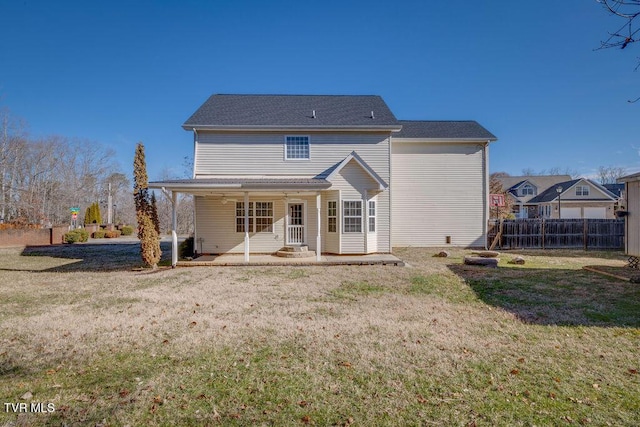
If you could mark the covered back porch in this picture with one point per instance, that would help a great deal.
(247, 216)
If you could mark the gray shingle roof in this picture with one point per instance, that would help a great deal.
(551, 194)
(463, 129)
(293, 111)
(616, 189)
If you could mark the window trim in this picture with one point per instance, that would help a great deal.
(286, 145)
(528, 187)
(372, 217)
(334, 216)
(253, 217)
(344, 217)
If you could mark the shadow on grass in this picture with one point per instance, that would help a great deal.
(563, 297)
(568, 253)
(117, 256)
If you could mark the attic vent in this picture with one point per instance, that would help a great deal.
(372, 116)
(313, 114)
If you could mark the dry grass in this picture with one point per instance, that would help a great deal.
(432, 344)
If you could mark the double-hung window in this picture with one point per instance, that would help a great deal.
(296, 147)
(264, 216)
(352, 216)
(332, 216)
(372, 216)
(260, 217)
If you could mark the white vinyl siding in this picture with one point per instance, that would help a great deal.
(356, 184)
(438, 191)
(261, 154)
(216, 222)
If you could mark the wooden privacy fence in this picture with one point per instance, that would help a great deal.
(556, 233)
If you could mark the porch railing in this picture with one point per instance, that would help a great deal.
(295, 234)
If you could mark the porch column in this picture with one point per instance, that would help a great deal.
(319, 236)
(246, 227)
(174, 228)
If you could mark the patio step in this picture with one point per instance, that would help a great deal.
(296, 252)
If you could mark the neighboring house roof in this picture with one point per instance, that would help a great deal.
(293, 112)
(629, 178)
(616, 189)
(551, 194)
(442, 129)
(335, 169)
(243, 184)
(541, 182)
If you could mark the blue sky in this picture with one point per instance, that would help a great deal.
(121, 72)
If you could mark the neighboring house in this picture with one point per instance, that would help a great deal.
(339, 174)
(522, 189)
(554, 196)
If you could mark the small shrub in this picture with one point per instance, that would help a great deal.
(186, 248)
(127, 230)
(77, 235)
(99, 234)
(112, 234)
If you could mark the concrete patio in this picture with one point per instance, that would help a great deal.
(267, 259)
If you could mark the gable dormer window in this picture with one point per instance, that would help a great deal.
(296, 147)
(528, 190)
(582, 190)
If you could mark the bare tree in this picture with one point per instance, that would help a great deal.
(40, 179)
(610, 174)
(629, 32)
(495, 187)
(551, 171)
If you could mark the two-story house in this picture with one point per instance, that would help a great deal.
(339, 174)
(559, 196)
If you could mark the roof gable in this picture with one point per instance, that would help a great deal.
(330, 173)
(293, 111)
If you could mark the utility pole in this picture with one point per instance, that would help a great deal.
(109, 205)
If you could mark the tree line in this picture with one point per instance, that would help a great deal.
(42, 178)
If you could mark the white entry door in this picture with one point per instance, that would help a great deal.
(296, 234)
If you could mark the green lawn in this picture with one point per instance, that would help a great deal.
(435, 343)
